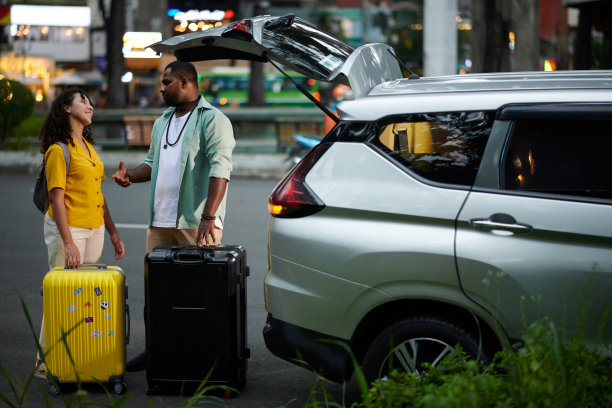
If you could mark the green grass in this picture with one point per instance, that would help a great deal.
(17, 398)
(548, 370)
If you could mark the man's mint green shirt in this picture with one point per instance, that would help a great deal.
(208, 142)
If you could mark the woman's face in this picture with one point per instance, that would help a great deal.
(81, 109)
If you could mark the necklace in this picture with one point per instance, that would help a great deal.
(182, 129)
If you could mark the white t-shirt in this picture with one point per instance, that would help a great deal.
(165, 203)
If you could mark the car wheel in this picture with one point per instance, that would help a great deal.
(409, 343)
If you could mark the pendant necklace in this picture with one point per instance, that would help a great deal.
(182, 129)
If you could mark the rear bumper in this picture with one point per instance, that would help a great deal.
(324, 354)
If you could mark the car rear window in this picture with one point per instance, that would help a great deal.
(308, 49)
(567, 157)
(442, 147)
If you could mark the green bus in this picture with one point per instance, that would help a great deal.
(229, 87)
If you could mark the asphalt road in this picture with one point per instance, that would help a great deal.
(271, 382)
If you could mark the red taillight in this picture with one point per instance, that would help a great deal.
(242, 30)
(292, 198)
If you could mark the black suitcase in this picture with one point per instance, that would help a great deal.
(195, 316)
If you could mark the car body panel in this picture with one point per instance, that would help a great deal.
(373, 108)
(299, 46)
(561, 268)
(381, 243)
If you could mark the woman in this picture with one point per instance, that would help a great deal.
(74, 224)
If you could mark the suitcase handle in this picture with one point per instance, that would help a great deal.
(99, 266)
(191, 255)
(127, 323)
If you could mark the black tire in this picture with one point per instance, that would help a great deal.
(54, 390)
(407, 344)
(119, 388)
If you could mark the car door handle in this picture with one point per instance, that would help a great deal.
(500, 222)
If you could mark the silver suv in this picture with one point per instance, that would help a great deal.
(438, 211)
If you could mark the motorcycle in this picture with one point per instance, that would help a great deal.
(303, 144)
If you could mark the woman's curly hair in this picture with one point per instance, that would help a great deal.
(57, 125)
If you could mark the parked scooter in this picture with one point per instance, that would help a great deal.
(303, 144)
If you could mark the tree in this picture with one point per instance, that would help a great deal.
(492, 23)
(490, 29)
(16, 104)
(115, 28)
(256, 82)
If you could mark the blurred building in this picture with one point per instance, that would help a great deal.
(51, 44)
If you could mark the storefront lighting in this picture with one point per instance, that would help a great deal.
(197, 15)
(127, 77)
(193, 27)
(135, 44)
(44, 30)
(63, 16)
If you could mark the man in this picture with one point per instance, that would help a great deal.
(188, 163)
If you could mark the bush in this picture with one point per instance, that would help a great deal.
(16, 104)
(24, 133)
(544, 372)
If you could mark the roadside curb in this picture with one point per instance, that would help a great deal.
(252, 165)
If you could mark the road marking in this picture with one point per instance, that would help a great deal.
(132, 226)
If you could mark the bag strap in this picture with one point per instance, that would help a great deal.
(64, 147)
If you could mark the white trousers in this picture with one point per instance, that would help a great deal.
(89, 242)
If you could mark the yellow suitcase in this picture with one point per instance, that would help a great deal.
(88, 307)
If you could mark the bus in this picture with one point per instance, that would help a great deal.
(229, 87)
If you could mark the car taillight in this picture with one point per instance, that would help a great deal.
(292, 198)
(242, 30)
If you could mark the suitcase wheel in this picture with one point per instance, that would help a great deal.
(53, 390)
(119, 388)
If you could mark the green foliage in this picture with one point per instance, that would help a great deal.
(544, 372)
(16, 104)
(23, 135)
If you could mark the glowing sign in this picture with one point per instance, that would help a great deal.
(135, 44)
(199, 15)
(51, 16)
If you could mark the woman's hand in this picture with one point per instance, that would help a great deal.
(117, 245)
(72, 258)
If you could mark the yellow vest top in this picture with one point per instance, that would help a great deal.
(82, 189)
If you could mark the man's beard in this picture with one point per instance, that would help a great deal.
(170, 102)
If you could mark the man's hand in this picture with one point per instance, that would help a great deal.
(207, 234)
(121, 176)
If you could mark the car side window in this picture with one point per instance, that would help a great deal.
(442, 147)
(567, 157)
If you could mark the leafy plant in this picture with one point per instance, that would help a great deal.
(16, 104)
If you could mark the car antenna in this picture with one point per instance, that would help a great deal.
(308, 94)
(412, 74)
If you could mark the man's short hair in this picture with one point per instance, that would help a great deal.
(183, 69)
